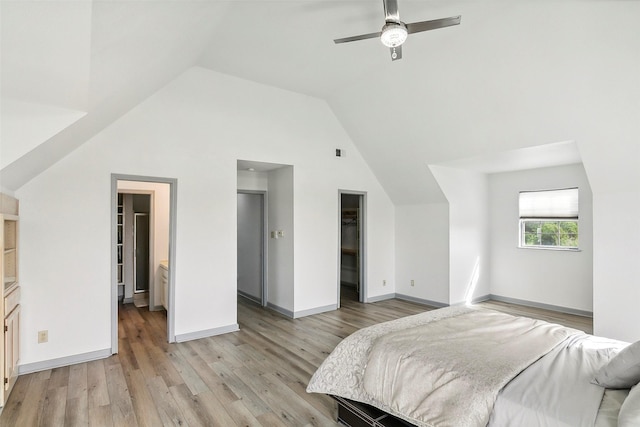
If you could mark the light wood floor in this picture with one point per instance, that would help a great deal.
(254, 377)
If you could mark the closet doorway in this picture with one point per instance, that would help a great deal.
(352, 237)
(143, 241)
(251, 246)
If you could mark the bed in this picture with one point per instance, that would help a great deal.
(466, 366)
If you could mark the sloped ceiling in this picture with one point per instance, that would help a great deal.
(513, 75)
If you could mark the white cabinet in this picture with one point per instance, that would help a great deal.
(10, 306)
(11, 349)
(164, 284)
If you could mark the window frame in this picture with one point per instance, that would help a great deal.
(543, 210)
(521, 234)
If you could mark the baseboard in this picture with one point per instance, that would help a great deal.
(380, 298)
(421, 301)
(476, 300)
(481, 298)
(249, 297)
(551, 307)
(207, 333)
(63, 361)
(316, 310)
(280, 310)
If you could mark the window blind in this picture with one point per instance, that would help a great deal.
(549, 203)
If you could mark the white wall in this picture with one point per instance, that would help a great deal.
(25, 125)
(617, 273)
(253, 181)
(281, 263)
(422, 251)
(467, 194)
(560, 278)
(193, 130)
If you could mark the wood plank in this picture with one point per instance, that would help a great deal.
(169, 411)
(188, 374)
(77, 411)
(98, 393)
(143, 404)
(121, 405)
(53, 411)
(213, 382)
(271, 390)
(253, 402)
(14, 406)
(59, 377)
(100, 416)
(196, 409)
(241, 415)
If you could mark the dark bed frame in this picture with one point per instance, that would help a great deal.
(355, 414)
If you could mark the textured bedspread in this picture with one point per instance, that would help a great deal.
(449, 372)
(470, 355)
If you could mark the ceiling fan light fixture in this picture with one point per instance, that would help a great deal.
(393, 34)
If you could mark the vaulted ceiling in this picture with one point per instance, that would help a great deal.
(514, 75)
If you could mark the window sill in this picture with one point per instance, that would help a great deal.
(550, 248)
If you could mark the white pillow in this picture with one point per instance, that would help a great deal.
(623, 371)
(629, 415)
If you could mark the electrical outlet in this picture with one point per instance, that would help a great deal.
(412, 282)
(384, 283)
(43, 336)
(280, 233)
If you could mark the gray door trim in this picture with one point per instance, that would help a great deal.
(265, 241)
(173, 205)
(362, 244)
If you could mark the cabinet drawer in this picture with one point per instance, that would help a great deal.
(11, 300)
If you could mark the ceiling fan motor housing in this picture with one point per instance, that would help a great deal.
(394, 33)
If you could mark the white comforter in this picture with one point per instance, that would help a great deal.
(557, 390)
(449, 372)
(431, 395)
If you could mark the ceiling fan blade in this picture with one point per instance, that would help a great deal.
(396, 53)
(391, 10)
(356, 38)
(416, 27)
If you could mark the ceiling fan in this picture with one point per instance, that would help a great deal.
(394, 32)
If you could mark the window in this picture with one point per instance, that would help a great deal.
(549, 219)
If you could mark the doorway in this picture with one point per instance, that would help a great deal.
(143, 241)
(352, 257)
(141, 254)
(137, 245)
(251, 246)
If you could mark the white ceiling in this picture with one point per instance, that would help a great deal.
(500, 81)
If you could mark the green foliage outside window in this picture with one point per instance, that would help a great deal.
(562, 234)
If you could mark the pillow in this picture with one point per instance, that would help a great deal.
(623, 370)
(629, 415)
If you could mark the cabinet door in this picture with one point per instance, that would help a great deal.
(11, 348)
